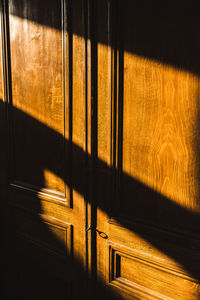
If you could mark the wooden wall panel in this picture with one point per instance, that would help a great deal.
(46, 83)
(48, 232)
(153, 212)
(160, 111)
(38, 81)
(159, 280)
(137, 117)
(42, 270)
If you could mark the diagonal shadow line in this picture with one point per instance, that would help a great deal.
(154, 26)
(41, 259)
(189, 219)
(183, 220)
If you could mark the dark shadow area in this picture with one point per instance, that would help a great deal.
(153, 26)
(166, 32)
(172, 214)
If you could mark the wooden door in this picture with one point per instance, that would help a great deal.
(43, 104)
(100, 149)
(147, 116)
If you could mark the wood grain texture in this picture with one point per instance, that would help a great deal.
(160, 111)
(126, 268)
(154, 207)
(37, 89)
(103, 122)
(104, 129)
(47, 98)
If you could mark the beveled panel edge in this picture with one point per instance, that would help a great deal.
(67, 73)
(117, 94)
(144, 258)
(132, 288)
(52, 222)
(65, 198)
(41, 193)
(127, 286)
(135, 289)
(154, 229)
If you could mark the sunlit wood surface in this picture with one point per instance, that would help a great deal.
(100, 149)
(152, 218)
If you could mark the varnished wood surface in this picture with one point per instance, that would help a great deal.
(46, 224)
(102, 130)
(154, 201)
(37, 89)
(160, 109)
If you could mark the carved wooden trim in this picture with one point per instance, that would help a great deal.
(42, 193)
(51, 222)
(117, 252)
